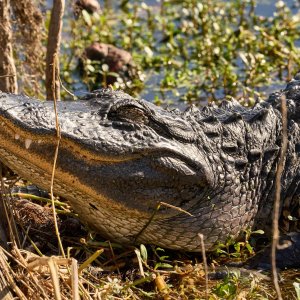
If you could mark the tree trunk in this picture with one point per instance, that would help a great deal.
(8, 78)
(52, 59)
(8, 83)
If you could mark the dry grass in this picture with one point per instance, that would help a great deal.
(95, 269)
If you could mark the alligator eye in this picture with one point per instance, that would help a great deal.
(128, 113)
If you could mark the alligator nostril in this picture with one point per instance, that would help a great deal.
(93, 206)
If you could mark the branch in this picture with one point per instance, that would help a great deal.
(54, 36)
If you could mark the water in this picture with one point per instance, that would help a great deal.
(264, 8)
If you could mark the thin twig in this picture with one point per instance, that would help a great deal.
(155, 212)
(58, 138)
(9, 75)
(68, 91)
(38, 198)
(4, 221)
(21, 261)
(13, 232)
(33, 244)
(176, 208)
(280, 167)
(201, 237)
(6, 270)
(114, 257)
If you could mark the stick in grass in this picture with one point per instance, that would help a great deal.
(201, 237)
(275, 235)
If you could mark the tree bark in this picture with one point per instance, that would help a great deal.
(52, 58)
(8, 83)
(28, 33)
(8, 78)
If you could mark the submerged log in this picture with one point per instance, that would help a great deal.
(114, 57)
(90, 6)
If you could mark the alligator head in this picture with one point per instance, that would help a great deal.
(119, 158)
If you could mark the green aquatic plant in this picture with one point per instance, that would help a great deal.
(192, 51)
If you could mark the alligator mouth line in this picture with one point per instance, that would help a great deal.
(16, 133)
(30, 162)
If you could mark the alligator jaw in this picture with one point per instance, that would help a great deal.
(83, 176)
(100, 212)
(39, 150)
(21, 142)
(100, 148)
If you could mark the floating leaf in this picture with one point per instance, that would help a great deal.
(148, 51)
(105, 67)
(87, 18)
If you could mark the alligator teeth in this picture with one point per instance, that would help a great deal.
(39, 141)
(17, 136)
(27, 143)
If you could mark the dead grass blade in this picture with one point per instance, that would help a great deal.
(55, 278)
(155, 212)
(7, 276)
(139, 258)
(201, 237)
(74, 279)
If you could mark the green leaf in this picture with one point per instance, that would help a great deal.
(163, 266)
(90, 68)
(163, 257)
(144, 253)
(237, 247)
(249, 248)
(259, 231)
(160, 249)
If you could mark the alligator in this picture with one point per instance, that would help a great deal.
(138, 173)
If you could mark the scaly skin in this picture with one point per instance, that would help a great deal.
(119, 157)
